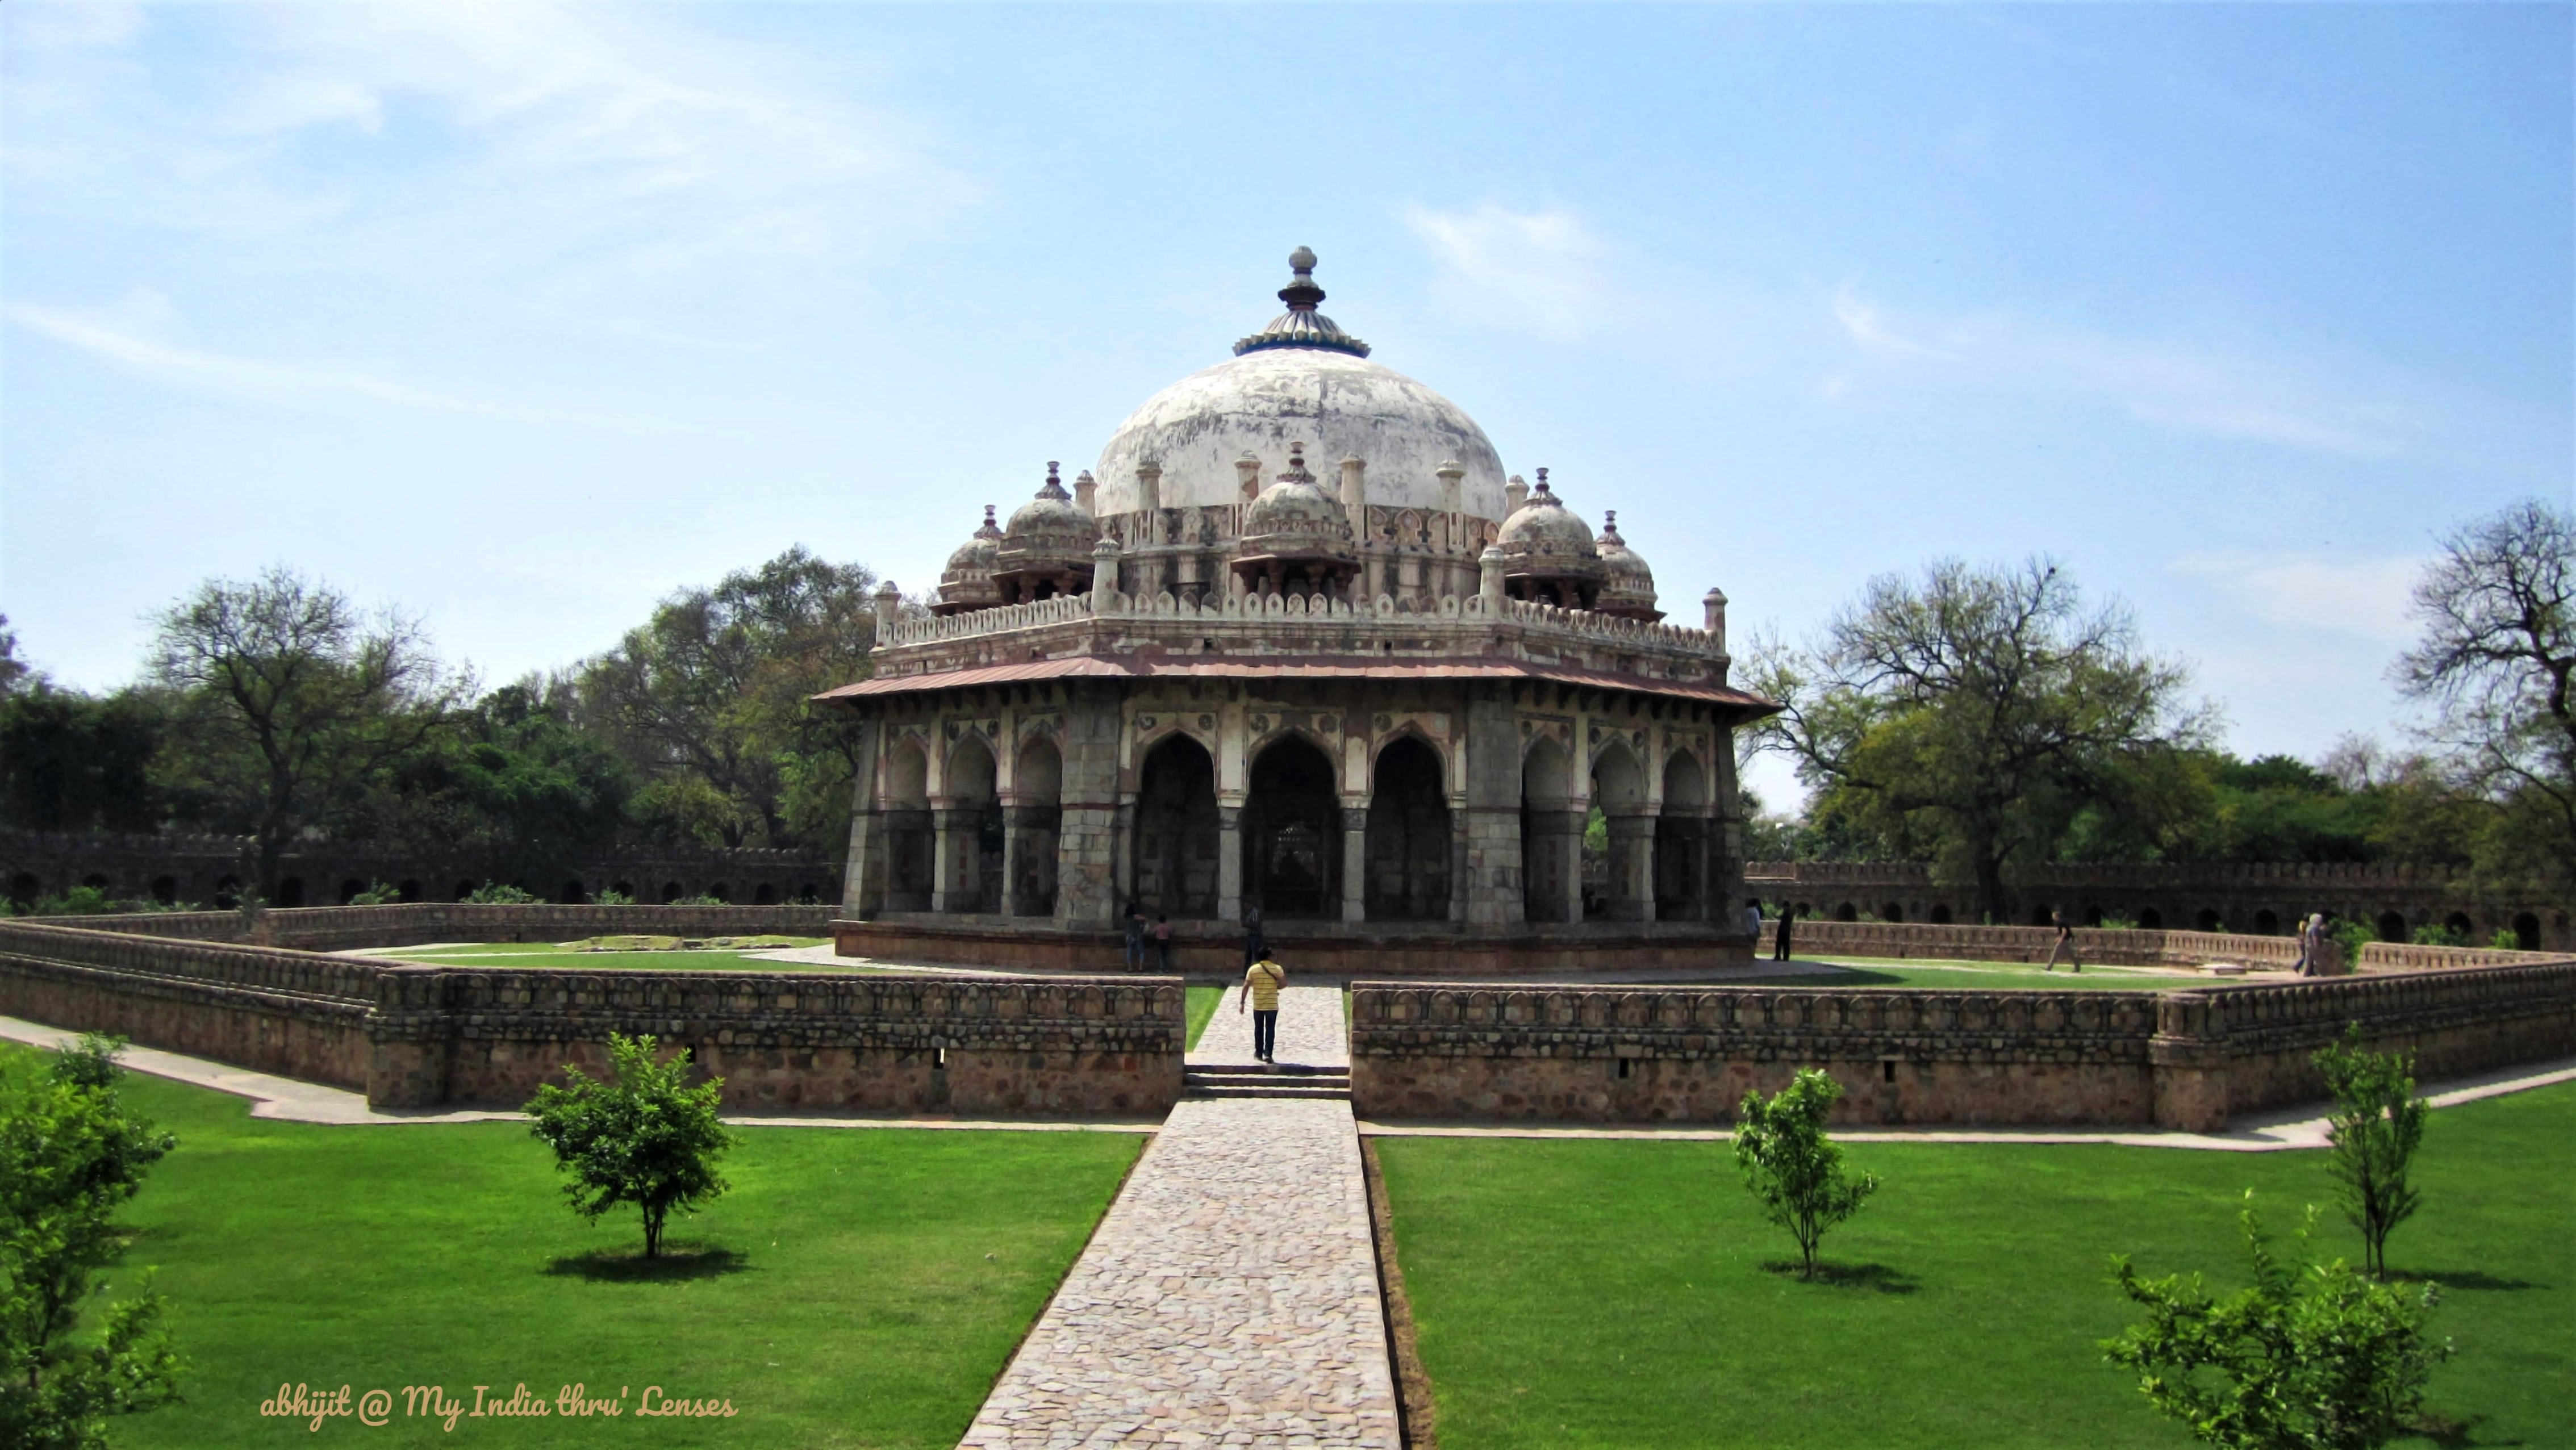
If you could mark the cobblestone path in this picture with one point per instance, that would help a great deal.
(1230, 1297)
(1311, 1030)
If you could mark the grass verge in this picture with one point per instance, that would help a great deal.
(1622, 1293)
(856, 1288)
(1202, 1007)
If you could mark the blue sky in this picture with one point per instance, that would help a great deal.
(519, 316)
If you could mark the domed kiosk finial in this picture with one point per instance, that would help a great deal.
(1301, 325)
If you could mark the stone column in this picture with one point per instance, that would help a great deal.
(1014, 840)
(954, 884)
(1571, 833)
(1229, 863)
(1491, 823)
(1489, 584)
(863, 880)
(1354, 862)
(1632, 867)
(1087, 883)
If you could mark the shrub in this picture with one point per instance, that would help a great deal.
(2376, 1125)
(1791, 1168)
(701, 900)
(2440, 936)
(378, 893)
(2305, 1358)
(2354, 935)
(79, 901)
(70, 1156)
(494, 894)
(2119, 923)
(612, 898)
(2506, 939)
(644, 1138)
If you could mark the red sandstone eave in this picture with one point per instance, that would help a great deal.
(1744, 705)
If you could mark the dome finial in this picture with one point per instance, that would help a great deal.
(1302, 325)
(1054, 486)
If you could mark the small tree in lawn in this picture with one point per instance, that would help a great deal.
(2308, 1357)
(646, 1138)
(2374, 1129)
(1791, 1168)
(70, 1157)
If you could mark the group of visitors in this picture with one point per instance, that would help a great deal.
(1262, 977)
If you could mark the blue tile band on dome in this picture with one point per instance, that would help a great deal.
(1301, 325)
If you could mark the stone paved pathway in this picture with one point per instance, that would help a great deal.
(1229, 1298)
(1311, 1031)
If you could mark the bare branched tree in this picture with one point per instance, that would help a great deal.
(2498, 610)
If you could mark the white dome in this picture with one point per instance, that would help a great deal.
(1336, 404)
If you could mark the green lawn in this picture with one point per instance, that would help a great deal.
(1979, 977)
(857, 1287)
(549, 955)
(1621, 1294)
(1202, 1006)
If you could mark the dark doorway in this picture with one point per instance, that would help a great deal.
(290, 892)
(2526, 932)
(1292, 834)
(1408, 835)
(1176, 832)
(2392, 927)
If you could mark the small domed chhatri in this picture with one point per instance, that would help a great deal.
(1298, 644)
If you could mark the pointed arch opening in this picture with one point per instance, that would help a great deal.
(905, 817)
(1551, 834)
(1032, 817)
(1176, 832)
(1408, 835)
(1292, 834)
(1617, 839)
(1681, 842)
(970, 827)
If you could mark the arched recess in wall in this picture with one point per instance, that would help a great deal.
(1613, 873)
(904, 815)
(1681, 842)
(1292, 833)
(1551, 832)
(1176, 831)
(2392, 927)
(1408, 834)
(2526, 932)
(1033, 814)
(971, 816)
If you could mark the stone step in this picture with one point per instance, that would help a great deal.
(1341, 1090)
(1267, 1069)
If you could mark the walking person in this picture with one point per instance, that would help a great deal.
(2312, 946)
(1163, 942)
(1261, 983)
(1135, 937)
(2065, 943)
(1256, 944)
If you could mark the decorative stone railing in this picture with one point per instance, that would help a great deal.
(1581, 623)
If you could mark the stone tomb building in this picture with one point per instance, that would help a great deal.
(1298, 646)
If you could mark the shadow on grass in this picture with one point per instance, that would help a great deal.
(2471, 1279)
(1880, 1277)
(629, 1266)
(1838, 977)
(2453, 1434)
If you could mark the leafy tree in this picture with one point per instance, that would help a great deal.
(2307, 1357)
(645, 1138)
(75, 762)
(378, 893)
(70, 1156)
(2376, 1126)
(1791, 1168)
(1967, 717)
(290, 704)
(2496, 660)
(13, 670)
(709, 702)
(511, 782)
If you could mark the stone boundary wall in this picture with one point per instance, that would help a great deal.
(344, 928)
(2135, 947)
(422, 1036)
(1688, 1054)
(1436, 950)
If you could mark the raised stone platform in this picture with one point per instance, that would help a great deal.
(1438, 951)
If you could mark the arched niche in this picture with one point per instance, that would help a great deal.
(1176, 831)
(1292, 833)
(1408, 834)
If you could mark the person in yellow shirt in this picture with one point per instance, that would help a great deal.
(1261, 983)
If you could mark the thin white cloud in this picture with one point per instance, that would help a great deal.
(1533, 271)
(126, 337)
(2364, 599)
(2179, 385)
(457, 132)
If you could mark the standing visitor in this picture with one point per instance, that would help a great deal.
(2065, 942)
(1753, 921)
(1780, 948)
(2312, 946)
(1261, 983)
(1256, 945)
(1135, 937)
(1163, 941)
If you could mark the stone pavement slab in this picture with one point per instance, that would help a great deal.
(1229, 1298)
(1312, 1031)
